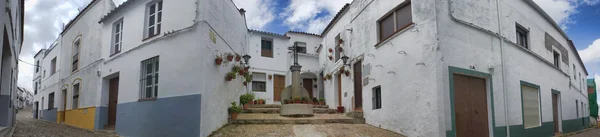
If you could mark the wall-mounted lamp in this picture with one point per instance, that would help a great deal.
(345, 60)
(246, 58)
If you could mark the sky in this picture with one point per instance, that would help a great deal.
(45, 18)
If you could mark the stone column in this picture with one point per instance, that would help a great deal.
(296, 91)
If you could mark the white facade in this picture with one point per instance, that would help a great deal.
(12, 39)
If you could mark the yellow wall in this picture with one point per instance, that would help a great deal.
(82, 117)
(58, 116)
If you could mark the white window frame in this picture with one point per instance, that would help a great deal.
(260, 77)
(539, 107)
(76, 93)
(76, 54)
(117, 42)
(156, 27)
(153, 76)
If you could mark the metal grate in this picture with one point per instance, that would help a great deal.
(149, 78)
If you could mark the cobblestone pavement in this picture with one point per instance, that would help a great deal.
(590, 133)
(308, 130)
(29, 127)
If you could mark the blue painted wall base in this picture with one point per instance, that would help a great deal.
(101, 117)
(50, 115)
(171, 116)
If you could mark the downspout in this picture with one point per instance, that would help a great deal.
(507, 124)
(501, 38)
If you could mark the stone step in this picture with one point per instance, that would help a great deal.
(276, 110)
(355, 114)
(279, 105)
(257, 118)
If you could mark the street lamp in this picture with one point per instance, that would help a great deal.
(246, 58)
(345, 60)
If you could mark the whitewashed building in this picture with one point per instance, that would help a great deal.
(11, 18)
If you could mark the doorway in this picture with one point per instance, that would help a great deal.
(278, 86)
(339, 89)
(555, 111)
(470, 105)
(37, 110)
(113, 96)
(358, 86)
(307, 84)
(42, 109)
(63, 115)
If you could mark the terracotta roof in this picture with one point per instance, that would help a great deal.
(268, 33)
(79, 15)
(116, 10)
(300, 32)
(335, 18)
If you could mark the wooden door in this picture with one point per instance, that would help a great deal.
(63, 115)
(36, 105)
(339, 86)
(358, 86)
(113, 100)
(278, 86)
(470, 106)
(307, 83)
(555, 112)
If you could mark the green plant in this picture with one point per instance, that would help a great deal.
(305, 99)
(236, 69)
(248, 77)
(297, 98)
(234, 108)
(321, 99)
(246, 98)
(229, 76)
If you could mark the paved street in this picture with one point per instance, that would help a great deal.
(308, 130)
(29, 127)
(590, 133)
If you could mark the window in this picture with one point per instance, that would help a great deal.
(337, 47)
(522, 35)
(37, 66)
(574, 72)
(259, 82)
(531, 105)
(149, 78)
(154, 18)
(51, 101)
(377, 97)
(577, 107)
(117, 37)
(301, 47)
(53, 66)
(76, 96)
(44, 74)
(75, 60)
(35, 85)
(398, 19)
(556, 59)
(266, 47)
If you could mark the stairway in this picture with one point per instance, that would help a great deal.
(269, 114)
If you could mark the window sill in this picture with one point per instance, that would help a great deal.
(532, 127)
(150, 37)
(399, 31)
(147, 99)
(113, 54)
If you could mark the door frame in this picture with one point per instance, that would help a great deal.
(64, 100)
(559, 106)
(108, 123)
(489, 94)
(356, 99)
(273, 86)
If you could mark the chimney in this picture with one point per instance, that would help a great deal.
(243, 12)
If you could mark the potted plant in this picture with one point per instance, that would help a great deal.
(238, 58)
(246, 68)
(342, 69)
(270, 76)
(252, 102)
(340, 41)
(230, 76)
(315, 101)
(321, 101)
(330, 50)
(245, 83)
(330, 57)
(328, 76)
(347, 73)
(235, 69)
(304, 100)
(340, 109)
(324, 78)
(245, 99)
(218, 60)
(340, 49)
(234, 110)
(261, 101)
(285, 101)
(297, 100)
(229, 57)
(247, 78)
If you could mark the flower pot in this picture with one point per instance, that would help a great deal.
(340, 41)
(228, 78)
(297, 102)
(251, 102)
(234, 115)
(238, 58)
(340, 109)
(218, 61)
(245, 106)
(330, 50)
(245, 83)
(241, 72)
(246, 69)
(347, 73)
(270, 76)
(341, 49)
(321, 102)
(330, 58)
(261, 101)
(229, 57)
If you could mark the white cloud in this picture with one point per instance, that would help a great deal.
(559, 10)
(301, 15)
(258, 12)
(591, 54)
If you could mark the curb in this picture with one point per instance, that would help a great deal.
(576, 132)
(12, 130)
(88, 130)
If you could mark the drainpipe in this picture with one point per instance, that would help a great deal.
(501, 38)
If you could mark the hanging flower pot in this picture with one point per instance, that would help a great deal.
(229, 57)
(246, 69)
(324, 78)
(241, 72)
(347, 73)
(330, 50)
(330, 58)
(340, 41)
(237, 58)
(230, 76)
(218, 60)
(342, 70)
(245, 83)
(340, 49)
